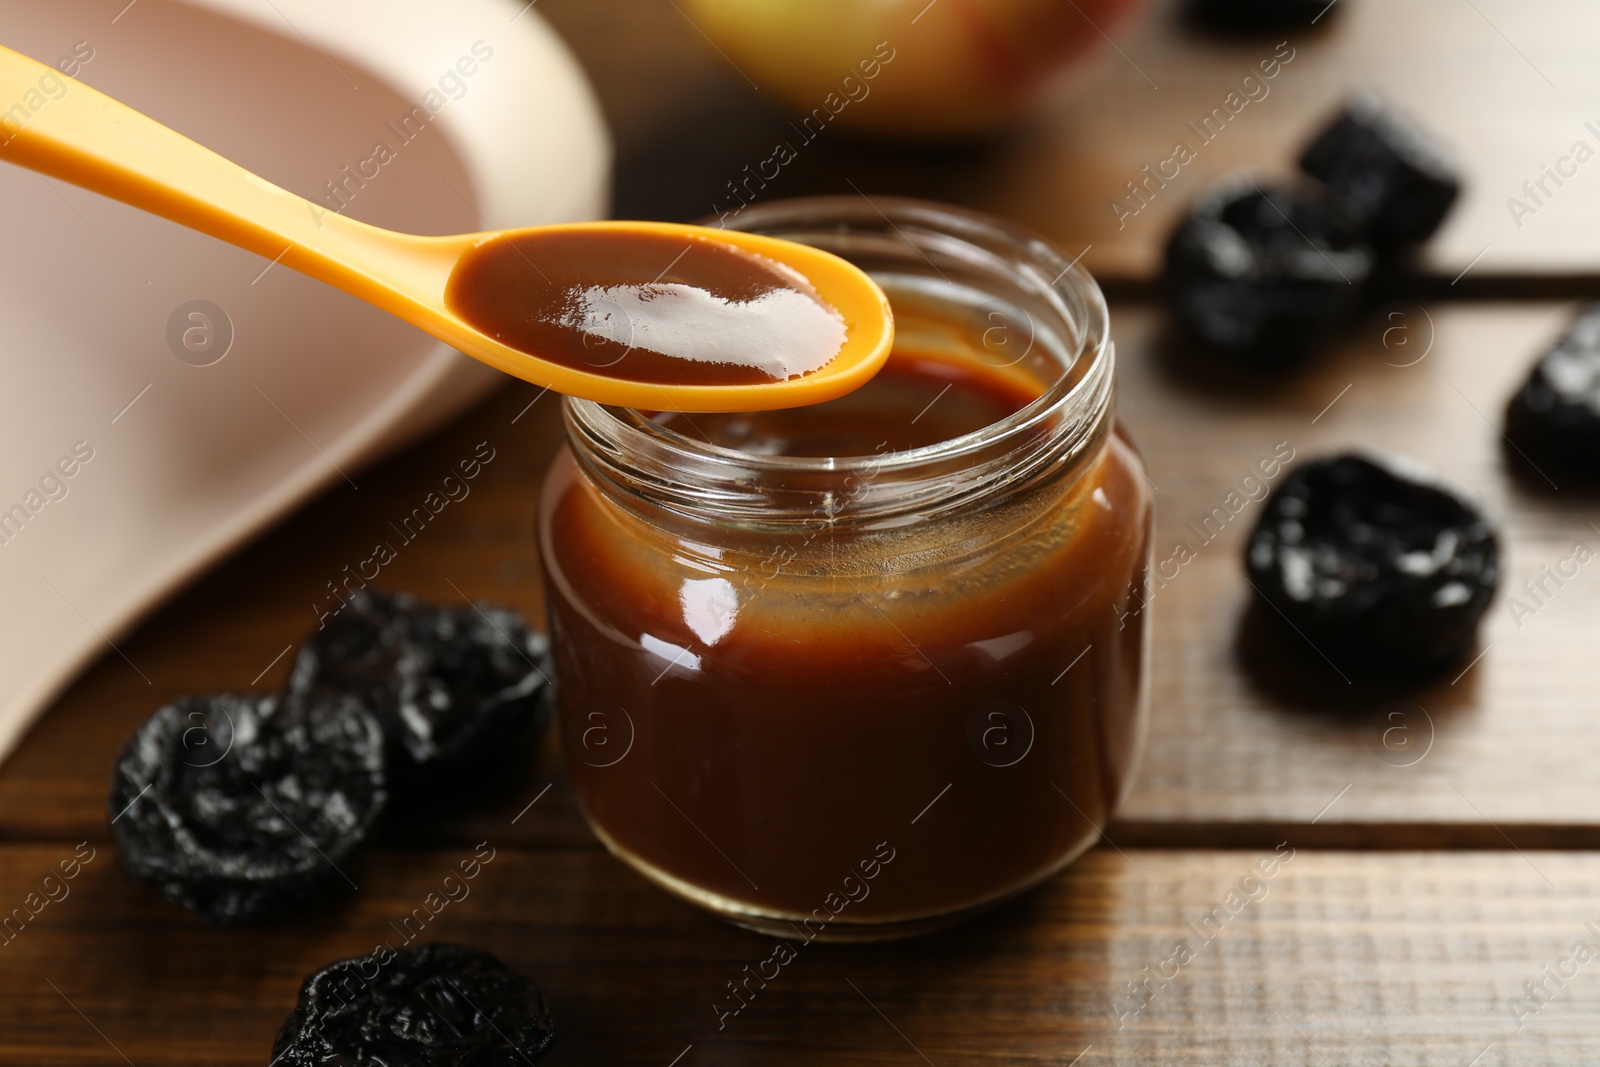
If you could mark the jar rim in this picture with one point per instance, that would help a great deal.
(1075, 405)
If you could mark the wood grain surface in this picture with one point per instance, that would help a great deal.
(1250, 723)
(1508, 86)
(1251, 728)
(1337, 958)
(1425, 896)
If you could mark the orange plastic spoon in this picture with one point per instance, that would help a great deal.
(89, 139)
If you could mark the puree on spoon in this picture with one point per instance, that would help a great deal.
(647, 307)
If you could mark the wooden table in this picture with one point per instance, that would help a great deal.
(1436, 870)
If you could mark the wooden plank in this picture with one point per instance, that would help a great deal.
(1340, 958)
(1248, 728)
(1509, 86)
(1248, 735)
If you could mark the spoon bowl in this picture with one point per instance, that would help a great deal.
(85, 137)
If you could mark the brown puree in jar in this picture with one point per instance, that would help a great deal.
(646, 307)
(782, 712)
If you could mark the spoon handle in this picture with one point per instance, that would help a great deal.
(62, 128)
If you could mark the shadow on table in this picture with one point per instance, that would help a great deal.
(835, 1003)
(1288, 671)
(1546, 482)
(1214, 375)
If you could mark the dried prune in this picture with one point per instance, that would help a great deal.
(1267, 274)
(1394, 179)
(1554, 419)
(456, 690)
(239, 807)
(436, 1005)
(1376, 556)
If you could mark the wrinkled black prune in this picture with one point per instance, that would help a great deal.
(1268, 274)
(436, 1005)
(457, 690)
(1260, 14)
(1376, 556)
(1398, 184)
(239, 807)
(1554, 419)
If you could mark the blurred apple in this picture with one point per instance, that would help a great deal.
(915, 69)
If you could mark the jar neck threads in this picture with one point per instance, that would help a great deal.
(990, 292)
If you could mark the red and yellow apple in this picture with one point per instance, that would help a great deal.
(917, 69)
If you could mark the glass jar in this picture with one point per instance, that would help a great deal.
(852, 697)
